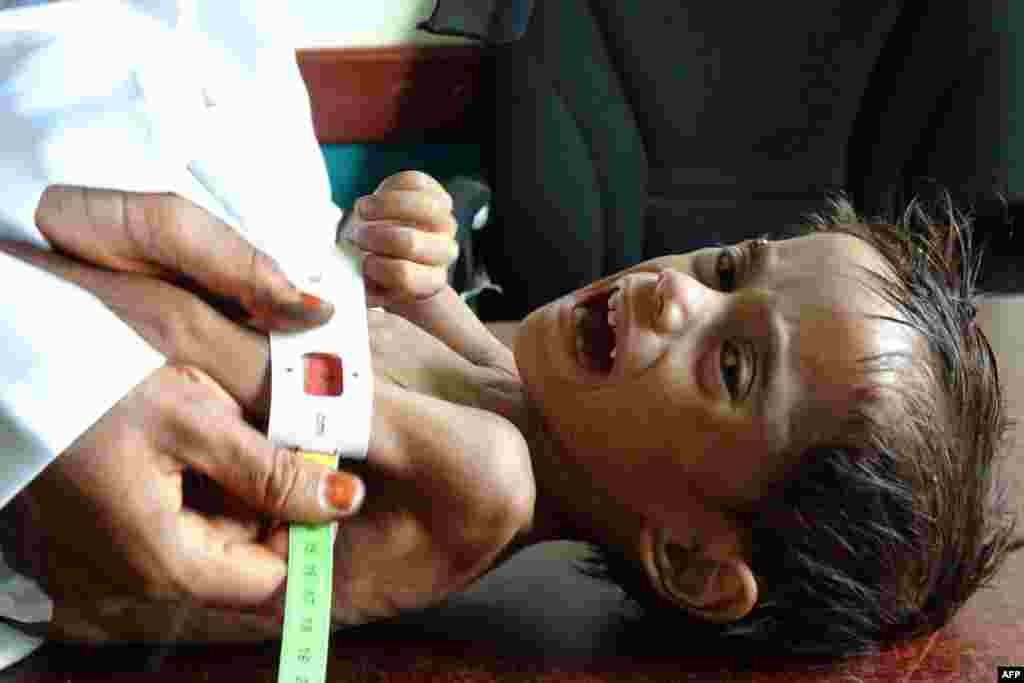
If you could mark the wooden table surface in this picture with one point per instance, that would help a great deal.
(536, 619)
(473, 641)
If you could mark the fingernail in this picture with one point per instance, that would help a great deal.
(317, 307)
(343, 492)
(309, 308)
(312, 302)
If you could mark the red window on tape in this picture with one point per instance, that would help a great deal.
(322, 374)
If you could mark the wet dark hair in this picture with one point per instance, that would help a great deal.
(880, 534)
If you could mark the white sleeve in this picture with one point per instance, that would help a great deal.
(66, 358)
(154, 101)
(200, 99)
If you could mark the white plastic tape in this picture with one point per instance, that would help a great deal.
(331, 411)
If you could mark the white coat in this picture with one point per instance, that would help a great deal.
(202, 99)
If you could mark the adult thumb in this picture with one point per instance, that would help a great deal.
(280, 482)
(169, 236)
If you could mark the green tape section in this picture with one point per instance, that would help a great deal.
(307, 607)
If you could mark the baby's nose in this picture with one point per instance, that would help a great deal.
(678, 299)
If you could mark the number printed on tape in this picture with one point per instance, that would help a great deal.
(307, 607)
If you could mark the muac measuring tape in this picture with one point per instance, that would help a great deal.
(321, 405)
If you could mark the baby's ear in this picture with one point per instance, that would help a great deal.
(708, 578)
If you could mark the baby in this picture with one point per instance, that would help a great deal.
(791, 442)
(789, 445)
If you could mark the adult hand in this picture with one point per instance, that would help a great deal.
(408, 231)
(129, 512)
(168, 236)
(113, 512)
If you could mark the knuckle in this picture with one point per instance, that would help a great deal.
(407, 243)
(176, 209)
(281, 481)
(262, 264)
(162, 211)
(193, 396)
(412, 179)
(155, 224)
(172, 325)
(449, 226)
(166, 575)
(431, 208)
(185, 579)
(403, 275)
(139, 215)
(263, 272)
(173, 398)
(170, 383)
(189, 374)
(54, 203)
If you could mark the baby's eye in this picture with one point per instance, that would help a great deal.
(726, 269)
(731, 363)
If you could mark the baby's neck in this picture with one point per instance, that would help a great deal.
(554, 517)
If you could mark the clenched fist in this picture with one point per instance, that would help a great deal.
(408, 231)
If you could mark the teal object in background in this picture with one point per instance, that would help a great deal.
(356, 170)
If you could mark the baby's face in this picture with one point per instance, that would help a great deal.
(678, 379)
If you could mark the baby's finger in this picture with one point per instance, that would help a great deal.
(425, 211)
(415, 180)
(396, 241)
(407, 280)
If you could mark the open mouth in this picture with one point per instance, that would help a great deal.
(595, 321)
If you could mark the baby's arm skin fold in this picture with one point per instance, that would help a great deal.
(447, 317)
(446, 502)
